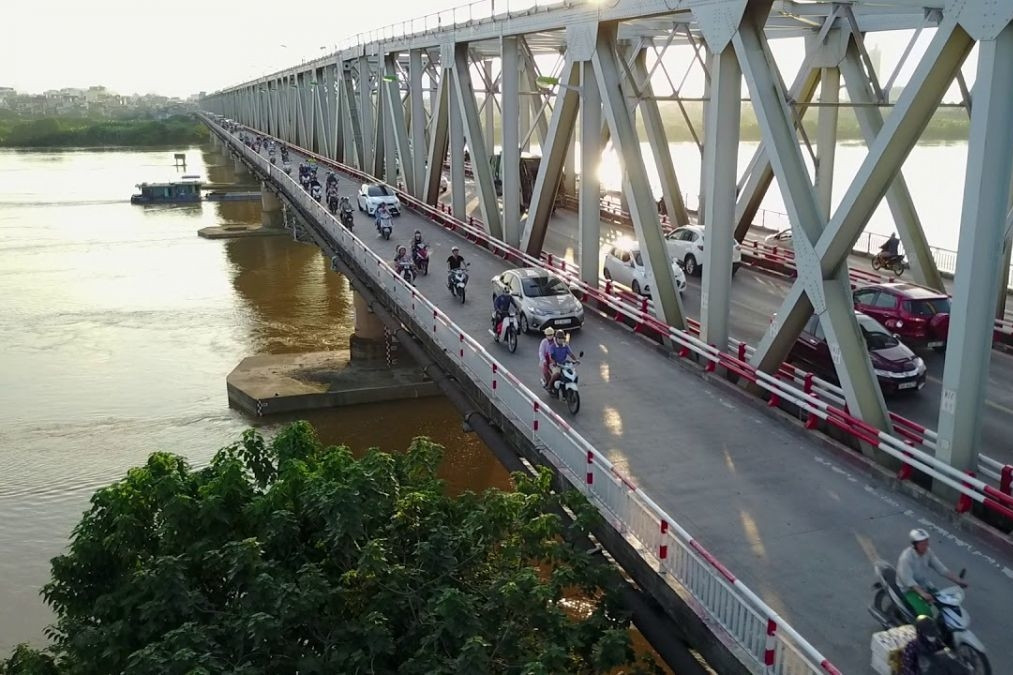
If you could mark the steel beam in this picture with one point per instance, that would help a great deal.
(826, 139)
(720, 164)
(353, 120)
(982, 236)
(829, 294)
(481, 171)
(438, 140)
(364, 108)
(398, 127)
(905, 215)
(458, 196)
(298, 91)
(418, 123)
(510, 157)
(554, 148)
(589, 199)
(656, 136)
(643, 210)
(490, 108)
(537, 118)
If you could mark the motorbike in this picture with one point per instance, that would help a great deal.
(506, 331)
(421, 258)
(332, 204)
(385, 226)
(315, 191)
(272, 160)
(891, 263)
(458, 282)
(407, 271)
(346, 215)
(566, 386)
(287, 168)
(890, 609)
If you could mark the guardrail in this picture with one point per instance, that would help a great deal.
(669, 548)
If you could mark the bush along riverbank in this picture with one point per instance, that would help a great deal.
(65, 132)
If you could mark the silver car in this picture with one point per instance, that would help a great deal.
(542, 299)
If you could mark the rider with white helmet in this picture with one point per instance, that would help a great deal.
(913, 572)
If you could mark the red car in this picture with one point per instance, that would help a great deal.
(897, 368)
(920, 316)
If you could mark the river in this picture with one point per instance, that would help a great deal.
(119, 326)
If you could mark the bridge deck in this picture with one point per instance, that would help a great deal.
(798, 526)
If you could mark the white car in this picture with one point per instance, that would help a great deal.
(780, 239)
(685, 244)
(625, 265)
(371, 195)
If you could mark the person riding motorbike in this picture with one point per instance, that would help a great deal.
(454, 262)
(913, 570)
(559, 354)
(417, 242)
(927, 654)
(401, 256)
(501, 305)
(381, 213)
(544, 358)
(890, 248)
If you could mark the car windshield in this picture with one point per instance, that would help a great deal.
(876, 337)
(378, 191)
(927, 306)
(538, 287)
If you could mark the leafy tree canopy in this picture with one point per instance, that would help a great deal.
(291, 557)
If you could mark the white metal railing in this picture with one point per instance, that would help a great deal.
(773, 645)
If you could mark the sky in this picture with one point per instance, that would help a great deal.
(181, 49)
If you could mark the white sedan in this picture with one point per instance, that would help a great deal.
(625, 265)
(685, 244)
(371, 195)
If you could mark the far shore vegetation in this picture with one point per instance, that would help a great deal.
(22, 131)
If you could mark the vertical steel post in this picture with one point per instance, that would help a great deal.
(826, 139)
(589, 199)
(510, 156)
(418, 122)
(721, 162)
(982, 235)
(438, 139)
(490, 108)
(365, 110)
(458, 198)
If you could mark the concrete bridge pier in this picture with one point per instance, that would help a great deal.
(237, 165)
(370, 340)
(270, 207)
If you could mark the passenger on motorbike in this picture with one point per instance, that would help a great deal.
(927, 653)
(913, 572)
(559, 353)
(417, 242)
(544, 357)
(381, 214)
(401, 256)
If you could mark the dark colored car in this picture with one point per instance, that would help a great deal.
(897, 367)
(920, 316)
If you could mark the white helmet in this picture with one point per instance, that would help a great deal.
(918, 534)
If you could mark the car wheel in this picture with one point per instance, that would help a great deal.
(524, 327)
(608, 275)
(635, 286)
(692, 269)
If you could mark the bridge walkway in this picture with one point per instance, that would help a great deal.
(794, 522)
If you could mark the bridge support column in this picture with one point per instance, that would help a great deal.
(510, 156)
(982, 236)
(238, 166)
(589, 201)
(270, 207)
(370, 338)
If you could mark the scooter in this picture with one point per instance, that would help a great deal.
(332, 204)
(890, 609)
(566, 385)
(287, 168)
(421, 257)
(407, 271)
(458, 282)
(346, 215)
(891, 263)
(315, 191)
(385, 226)
(506, 331)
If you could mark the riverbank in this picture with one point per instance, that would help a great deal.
(84, 132)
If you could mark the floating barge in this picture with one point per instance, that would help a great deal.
(186, 191)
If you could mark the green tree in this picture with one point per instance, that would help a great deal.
(288, 556)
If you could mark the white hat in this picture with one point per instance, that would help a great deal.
(918, 535)
(550, 331)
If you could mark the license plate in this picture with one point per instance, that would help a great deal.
(564, 322)
(907, 385)
(938, 343)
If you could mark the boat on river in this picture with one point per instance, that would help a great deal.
(175, 192)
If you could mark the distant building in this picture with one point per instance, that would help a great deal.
(7, 95)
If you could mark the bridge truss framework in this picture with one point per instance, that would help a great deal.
(397, 107)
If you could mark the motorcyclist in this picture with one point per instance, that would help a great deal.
(401, 256)
(559, 353)
(891, 247)
(381, 213)
(544, 358)
(501, 305)
(454, 262)
(926, 654)
(345, 204)
(913, 572)
(417, 242)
